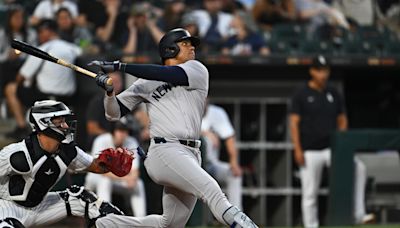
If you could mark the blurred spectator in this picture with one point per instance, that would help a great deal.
(190, 24)
(213, 24)
(39, 79)
(318, 13)
(268, 12)
(385, 5)
(248, 4)
(361, 12)
(388, 13)
(96, 122)
(246, 40)
(130, 185)
(70, 32)
(172, 17)
(143, 35)
(46, 9)
(105, 18)
(15, 28)
(230, 6)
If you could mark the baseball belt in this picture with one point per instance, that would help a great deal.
(187, 142)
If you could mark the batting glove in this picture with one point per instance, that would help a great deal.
(105, 66)
(101, 80)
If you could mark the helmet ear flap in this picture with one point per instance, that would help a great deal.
(171, 51)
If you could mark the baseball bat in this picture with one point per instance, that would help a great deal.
(31, 50)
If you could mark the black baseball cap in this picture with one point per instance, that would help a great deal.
(320, 61)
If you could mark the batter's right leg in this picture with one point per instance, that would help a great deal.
(180, 170)
(177, 208)
(310, 181)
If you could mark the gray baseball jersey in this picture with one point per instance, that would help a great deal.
(175, 111)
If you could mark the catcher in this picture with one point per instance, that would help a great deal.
(30, 168)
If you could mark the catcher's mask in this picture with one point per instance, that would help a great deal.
(168, 48)
(51, 118)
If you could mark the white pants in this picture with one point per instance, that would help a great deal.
(311, 173)
(104, 186)
(177, 167)
(50, 210)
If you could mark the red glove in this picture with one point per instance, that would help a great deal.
(118, 161)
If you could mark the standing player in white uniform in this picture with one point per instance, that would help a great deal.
(175, 95)
(215, 126)
(130, 185)
(30, 168)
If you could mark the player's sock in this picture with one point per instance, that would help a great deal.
(237, 219)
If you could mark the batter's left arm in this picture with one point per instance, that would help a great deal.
(171, 74)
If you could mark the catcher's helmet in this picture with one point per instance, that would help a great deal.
(168, 47)
(43, 112)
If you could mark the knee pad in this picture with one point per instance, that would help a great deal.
(10, 223)
(237, 219)
(94, 207)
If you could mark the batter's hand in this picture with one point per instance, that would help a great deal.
(105, 66)
(299, 158)
(101, 80)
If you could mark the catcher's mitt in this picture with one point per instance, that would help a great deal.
(118, 161)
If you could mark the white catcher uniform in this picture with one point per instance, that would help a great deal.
(217, 121)
(27, 174)
(175, 114)
(104, 185)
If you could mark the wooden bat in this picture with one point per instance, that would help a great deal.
(31, 50)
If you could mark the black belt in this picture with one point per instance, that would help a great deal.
(186, 142)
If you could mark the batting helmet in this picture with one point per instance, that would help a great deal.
(168, 47)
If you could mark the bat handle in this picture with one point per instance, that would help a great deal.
(109, 81)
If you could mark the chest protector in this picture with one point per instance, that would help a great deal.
(36, 171)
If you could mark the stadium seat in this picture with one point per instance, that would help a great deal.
(393, 47)
(286, 38)
(373, 39)
(316, 47)
(351, 47)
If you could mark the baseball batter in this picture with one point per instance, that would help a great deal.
(175, 95)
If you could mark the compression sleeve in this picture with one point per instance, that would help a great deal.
(172, 74)
(112, 108)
